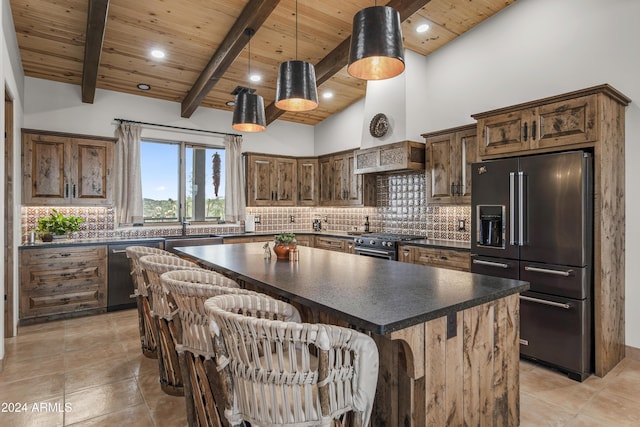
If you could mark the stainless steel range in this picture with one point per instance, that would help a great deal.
(381, 245)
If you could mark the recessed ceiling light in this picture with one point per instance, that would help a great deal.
(157, 53)
(255, 77)
(327, 95)
(230, 103)
(422, 28)
(143, 86)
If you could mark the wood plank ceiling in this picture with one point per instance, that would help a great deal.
(52, 35)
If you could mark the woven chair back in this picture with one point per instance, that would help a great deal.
(153, 266)
(288, 373)
(190, 289)
(134, 253)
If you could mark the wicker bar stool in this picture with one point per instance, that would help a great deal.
(293, 374)
(148, 340)
(167, 325)
(208, 392)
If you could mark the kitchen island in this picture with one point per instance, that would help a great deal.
(448, 340)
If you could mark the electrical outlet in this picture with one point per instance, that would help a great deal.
(462, 224)
(256, 219)
(292, 218)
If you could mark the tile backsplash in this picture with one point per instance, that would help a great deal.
(401, 208)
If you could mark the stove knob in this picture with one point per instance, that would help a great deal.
(389, 244)
(358, 241)
(372, 242)
(383, 243)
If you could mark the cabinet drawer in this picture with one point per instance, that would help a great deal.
(63, 256)
(304, 240)
(444, 258)
(330, 244)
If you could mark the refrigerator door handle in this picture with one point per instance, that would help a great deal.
(545, 302)
(490, 264)
(566, 273)
(512, 208)
(522, 238)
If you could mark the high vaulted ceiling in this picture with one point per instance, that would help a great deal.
(106, 44)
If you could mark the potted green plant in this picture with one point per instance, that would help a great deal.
(284, 242)
(57, 224)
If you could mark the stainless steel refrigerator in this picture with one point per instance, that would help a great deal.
(532, 219)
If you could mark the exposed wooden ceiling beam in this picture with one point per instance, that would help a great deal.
(253, 16)
(96, 22)
(339, 57)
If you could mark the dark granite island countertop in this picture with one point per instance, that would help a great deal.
(377, 295)
(448, 341)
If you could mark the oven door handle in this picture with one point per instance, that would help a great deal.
(545, 302)
(372, 251)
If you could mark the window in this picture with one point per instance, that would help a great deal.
(171, 192)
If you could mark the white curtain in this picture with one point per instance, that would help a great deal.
(235, 204)
(128, 182)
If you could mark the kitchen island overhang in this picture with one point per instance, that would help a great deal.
(448, 340)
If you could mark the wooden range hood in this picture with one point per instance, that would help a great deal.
(396, 157)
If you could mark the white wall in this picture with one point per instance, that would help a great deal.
(340, 131)
(531, 50)
(11, 75)
(58, 106)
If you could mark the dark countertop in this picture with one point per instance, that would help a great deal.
(90, 242)
(380, 296)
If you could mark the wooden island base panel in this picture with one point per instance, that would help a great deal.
(448, 341)
(461, 369)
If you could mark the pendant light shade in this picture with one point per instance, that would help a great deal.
(248, 113)
(376, 44)
(296, 88)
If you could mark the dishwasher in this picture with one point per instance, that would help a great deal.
(120, 288)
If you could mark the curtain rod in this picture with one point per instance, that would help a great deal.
(176, 127)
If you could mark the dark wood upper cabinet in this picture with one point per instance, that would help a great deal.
(64, 169)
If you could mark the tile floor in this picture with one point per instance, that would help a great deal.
(90, 372)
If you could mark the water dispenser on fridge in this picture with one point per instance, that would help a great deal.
(491, 225)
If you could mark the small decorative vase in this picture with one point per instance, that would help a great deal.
(282, 250)
(47, 237)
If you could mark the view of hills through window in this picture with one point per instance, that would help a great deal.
(168, 197)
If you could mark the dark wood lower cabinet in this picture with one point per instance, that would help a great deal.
(62, 282)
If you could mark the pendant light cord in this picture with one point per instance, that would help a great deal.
(296, 30)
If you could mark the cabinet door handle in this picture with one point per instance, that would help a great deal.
(533, 130)
(442, 257)
(66, 190)
(452, 190)
(526, 132)
(74, 191)
(66, 254)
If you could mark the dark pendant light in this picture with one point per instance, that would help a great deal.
(296, 88)
(376, 44)
(248, 113)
